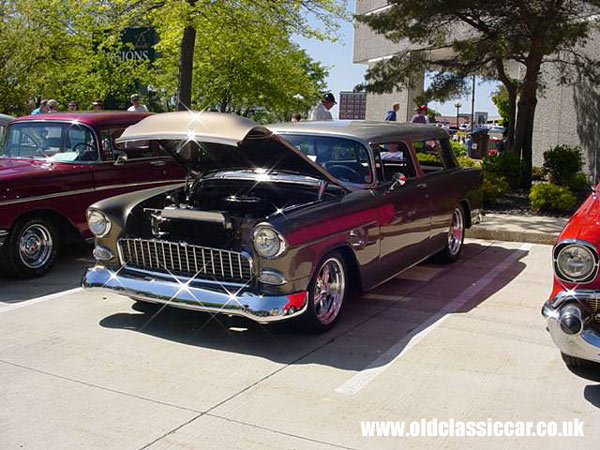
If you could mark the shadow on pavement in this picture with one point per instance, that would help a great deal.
(66, 274)
(385, 318)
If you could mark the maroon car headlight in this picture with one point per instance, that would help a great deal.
(98, 223)
(576, 262)
(268, 242)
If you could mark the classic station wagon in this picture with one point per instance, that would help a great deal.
(53, 166)
(278, 222)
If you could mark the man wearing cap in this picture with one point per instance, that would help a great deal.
(419, 116)
(136, 104)
(321, 111)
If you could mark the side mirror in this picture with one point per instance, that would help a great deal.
(399, 179)
(121, 159)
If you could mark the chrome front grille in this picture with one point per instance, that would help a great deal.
(183, 259)
(593, 305)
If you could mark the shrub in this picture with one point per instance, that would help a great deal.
(549, 197)
(578, 182)
(538, 174)
(494, 187)
(469, 162)
(561, 163)
(458, 148)
(507, 166)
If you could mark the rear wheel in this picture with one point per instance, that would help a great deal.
(456, 236)
(327, 293)
(32, 247)
(578, 363)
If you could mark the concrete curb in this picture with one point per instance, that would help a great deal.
(494, 234)
(516, 228)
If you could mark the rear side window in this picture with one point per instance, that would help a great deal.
(133, 150)
(430, 156)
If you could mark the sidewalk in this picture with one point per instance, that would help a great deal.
(513, 228)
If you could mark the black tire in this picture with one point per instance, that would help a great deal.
(320, 317)
(31, 248)
(578, 363)
(456, 237)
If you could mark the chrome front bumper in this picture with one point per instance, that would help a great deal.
(198, 295)
(584, 345)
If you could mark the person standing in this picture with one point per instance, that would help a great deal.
(391, 115)
(52, 106)
(72, 105)
(97, 105)
(469, 145)
(321, 111)
(136, 104)
(419, 116)
(42, 109)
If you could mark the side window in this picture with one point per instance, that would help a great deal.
(80, 143)
(429, 155)
(448, 153)
(395, 157)
(133, 150)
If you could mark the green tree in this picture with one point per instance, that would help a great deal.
(64, 49)
(501, 100)
(458, 39)
(186, 25)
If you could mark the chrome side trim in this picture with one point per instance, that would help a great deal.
(84, 191)
(3, 236)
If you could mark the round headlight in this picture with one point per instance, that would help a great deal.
(98, 223)
(268, 242)
(575, 262)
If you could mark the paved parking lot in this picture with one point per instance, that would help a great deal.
(463, 342)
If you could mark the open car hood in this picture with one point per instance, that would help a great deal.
(205, 142)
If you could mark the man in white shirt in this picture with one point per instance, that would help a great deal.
(136, 104)
(321, 111)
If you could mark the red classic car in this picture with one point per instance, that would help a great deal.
(53, 166)
(573, 310)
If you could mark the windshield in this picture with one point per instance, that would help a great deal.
(65, 142)
(345, 159)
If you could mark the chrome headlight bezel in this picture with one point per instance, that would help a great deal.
(279, 243)
(588, 249)
(94, 218)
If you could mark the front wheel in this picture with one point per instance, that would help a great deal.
(327, 293)
(31, 247)
(456, 236)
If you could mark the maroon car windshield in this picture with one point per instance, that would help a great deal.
(59, 142)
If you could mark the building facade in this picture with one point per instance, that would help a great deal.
(352, 105)
(566, 115)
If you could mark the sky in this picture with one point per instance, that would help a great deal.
(344, 75)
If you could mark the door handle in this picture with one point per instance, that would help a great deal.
(158, 163)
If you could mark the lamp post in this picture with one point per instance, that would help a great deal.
(457, 105)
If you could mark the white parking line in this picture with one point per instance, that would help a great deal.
(364, 377)
(34, 301)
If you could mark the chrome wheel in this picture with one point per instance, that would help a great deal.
(329, 290)
(457, 232)
(35, 246)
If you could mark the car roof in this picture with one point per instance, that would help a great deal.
(92, 118)
(369, 131)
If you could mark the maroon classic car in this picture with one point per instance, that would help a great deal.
(53, 166)
(573, 310)
(278, 222)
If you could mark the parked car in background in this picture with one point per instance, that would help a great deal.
(52, 167)
(4, 120)
(573, 310)
(279, 222)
